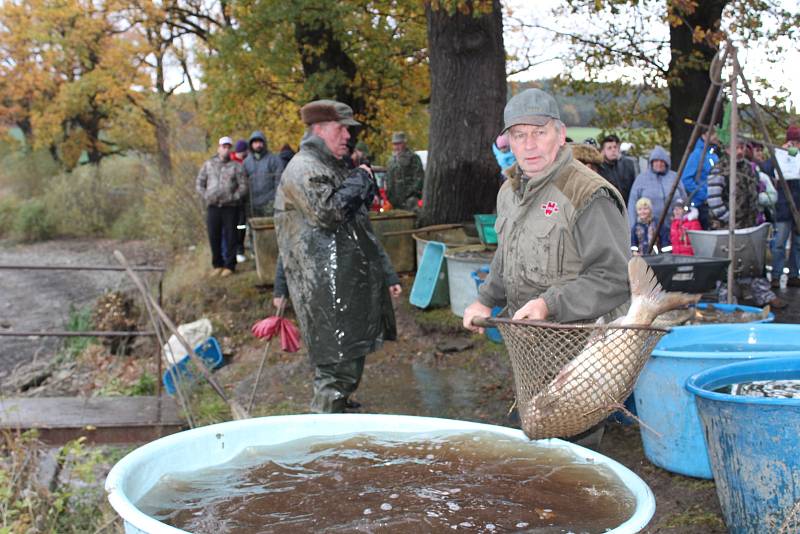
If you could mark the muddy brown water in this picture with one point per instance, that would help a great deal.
(479, 482)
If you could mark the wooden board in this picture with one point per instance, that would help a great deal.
(99, 419)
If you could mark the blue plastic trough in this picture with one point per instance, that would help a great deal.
(754, 445)
(211, 445)
(671, 432)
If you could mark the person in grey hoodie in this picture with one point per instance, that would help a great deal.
(263, 171)
(655, 183)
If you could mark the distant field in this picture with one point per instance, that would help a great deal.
(579, 133)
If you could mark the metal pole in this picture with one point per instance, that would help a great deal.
(68, 333)
(145, 268)
(732, 179)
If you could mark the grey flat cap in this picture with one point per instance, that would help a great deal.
(399, 137)
(531, 106)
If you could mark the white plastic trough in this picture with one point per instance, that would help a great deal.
(134, 475)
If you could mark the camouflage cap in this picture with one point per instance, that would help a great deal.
(531, 106)
(328, 110)
(399, 137)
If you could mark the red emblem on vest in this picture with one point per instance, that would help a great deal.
(550, 208)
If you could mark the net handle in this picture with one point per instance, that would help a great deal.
(489, 322)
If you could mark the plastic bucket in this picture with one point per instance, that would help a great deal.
(672, 435)
(138, 472)
(461, 264)
(753, 443)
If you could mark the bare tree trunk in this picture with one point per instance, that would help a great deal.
(688, 79)
(468, 93)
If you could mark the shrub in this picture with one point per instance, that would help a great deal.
(33, 222)
(9, 207)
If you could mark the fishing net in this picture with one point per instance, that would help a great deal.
(791, 524)
(570, 377)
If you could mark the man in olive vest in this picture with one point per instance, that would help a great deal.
(563, 237)
(562, 231)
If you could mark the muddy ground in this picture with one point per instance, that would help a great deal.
(433, 369)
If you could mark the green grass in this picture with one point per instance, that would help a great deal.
(579, 133)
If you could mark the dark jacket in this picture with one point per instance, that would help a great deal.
(337, 271)
(620, 174)
(264, 173)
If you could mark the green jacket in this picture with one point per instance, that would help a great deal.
(562, 236)
(337, 271)
(405, 177)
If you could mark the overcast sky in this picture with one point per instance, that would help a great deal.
(549, 52)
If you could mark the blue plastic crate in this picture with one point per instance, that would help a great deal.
(427, 290)
(208, 350)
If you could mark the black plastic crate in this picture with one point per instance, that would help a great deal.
(691, 274)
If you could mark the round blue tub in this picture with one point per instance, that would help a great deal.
(671, 432)
(753, 443)
(203, 447)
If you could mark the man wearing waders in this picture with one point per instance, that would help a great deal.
(562, 230)
(338, 274)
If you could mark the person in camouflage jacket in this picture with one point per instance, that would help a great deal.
(223, 185)
(746, 192)
(404, 175)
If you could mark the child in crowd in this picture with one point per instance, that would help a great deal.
(683, 219)
(644, 228)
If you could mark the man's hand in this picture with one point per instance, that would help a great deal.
(396, 290)
(476, 309)
(534, 310)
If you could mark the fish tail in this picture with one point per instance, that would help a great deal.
(654, 300)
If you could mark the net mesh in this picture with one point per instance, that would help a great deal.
(791, 523)
(570, 377)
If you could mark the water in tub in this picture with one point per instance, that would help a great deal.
(781, 389)
(480, 482)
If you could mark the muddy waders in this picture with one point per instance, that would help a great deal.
(334, 383)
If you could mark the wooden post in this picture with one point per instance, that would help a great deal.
(732, 178)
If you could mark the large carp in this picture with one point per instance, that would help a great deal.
(593, 384)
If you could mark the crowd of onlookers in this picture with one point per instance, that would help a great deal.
(241, 179)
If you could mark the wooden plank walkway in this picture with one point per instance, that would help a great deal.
(100, 419)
